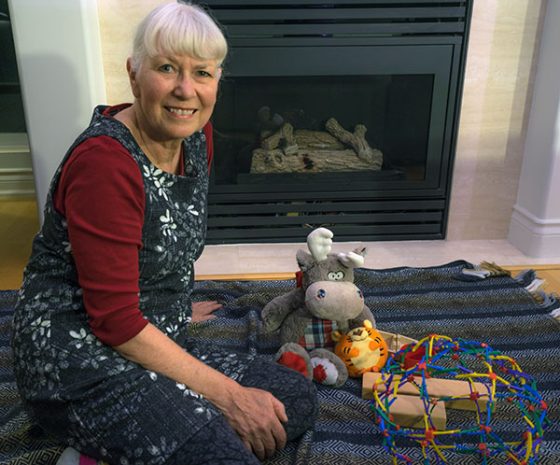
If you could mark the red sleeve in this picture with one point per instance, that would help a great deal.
(208, 132)
(101, 195)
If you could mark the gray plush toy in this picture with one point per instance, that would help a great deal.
(327, 301)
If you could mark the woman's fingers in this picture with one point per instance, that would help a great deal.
(262, 449)
(263, 444)
(280, 410)
(278, 430)
(257, 417)
(268, 442)
(202, 311)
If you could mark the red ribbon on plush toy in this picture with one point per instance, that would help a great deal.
(299, 278)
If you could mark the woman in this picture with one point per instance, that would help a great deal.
(102, 357)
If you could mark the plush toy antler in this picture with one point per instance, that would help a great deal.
(319, 243)
(351, 259)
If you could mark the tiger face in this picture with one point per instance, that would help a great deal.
(362, 349)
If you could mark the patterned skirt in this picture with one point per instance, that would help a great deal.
(141, 417)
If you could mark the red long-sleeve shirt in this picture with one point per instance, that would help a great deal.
(101, 195)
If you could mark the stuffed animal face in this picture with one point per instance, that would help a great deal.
(362, 349)
(334, 300)
(328, 279)
(331, 268)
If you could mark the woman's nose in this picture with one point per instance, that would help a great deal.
(185, 86)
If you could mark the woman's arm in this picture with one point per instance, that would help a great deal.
(255, 415)
(101, 195)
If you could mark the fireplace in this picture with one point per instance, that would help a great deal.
(340, 114)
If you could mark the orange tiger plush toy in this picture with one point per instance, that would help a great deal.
(362, 349)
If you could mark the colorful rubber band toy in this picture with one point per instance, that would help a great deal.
(461, 398)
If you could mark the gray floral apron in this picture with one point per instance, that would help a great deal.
(80, 389)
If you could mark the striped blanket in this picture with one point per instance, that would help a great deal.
(507, 313)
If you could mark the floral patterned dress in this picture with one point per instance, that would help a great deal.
(81, 389)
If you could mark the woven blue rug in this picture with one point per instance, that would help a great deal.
(505, 312)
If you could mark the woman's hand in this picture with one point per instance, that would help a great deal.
(257, 417)
(202, 311)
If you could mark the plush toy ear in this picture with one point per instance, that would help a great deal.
(337, 336)
(360, 251)
(305, 260)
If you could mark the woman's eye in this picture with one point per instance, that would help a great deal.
(167, 68)
(203, 73)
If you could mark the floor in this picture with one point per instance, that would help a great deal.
(19, 223)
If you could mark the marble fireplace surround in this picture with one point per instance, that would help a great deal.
(507, 154)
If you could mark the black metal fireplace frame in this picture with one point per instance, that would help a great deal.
(384, 31)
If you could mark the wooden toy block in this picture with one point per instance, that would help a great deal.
(409, 411)
(437, 388)
(396, 341)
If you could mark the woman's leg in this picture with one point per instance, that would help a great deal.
(297, 393)
(145, 419)
(215, 444)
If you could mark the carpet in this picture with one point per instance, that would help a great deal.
(506, 312)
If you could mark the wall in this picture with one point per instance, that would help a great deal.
(59, 62)
(496, 102)
(117, 21)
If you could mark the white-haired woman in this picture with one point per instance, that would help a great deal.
(102, 357)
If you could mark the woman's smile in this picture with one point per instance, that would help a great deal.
(180, 112)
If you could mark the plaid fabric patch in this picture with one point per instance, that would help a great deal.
(318, 334)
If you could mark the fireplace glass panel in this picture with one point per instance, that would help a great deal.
(253, 113)
(351, 137)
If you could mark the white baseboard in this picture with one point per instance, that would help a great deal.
(16, 170)
(535, 237)
(17, 185)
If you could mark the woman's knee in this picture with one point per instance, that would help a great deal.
(297, 393)
(301, 405)
(202, 448)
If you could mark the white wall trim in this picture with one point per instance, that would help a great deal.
(16, 171)
(17, 185)
(538, 225)
(535, 237)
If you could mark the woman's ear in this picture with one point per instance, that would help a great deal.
(132, 77)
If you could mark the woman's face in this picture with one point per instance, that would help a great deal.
(175, 95)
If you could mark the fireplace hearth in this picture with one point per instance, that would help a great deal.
(340, 114)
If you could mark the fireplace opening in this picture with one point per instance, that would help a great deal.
(336, 114)
(317, 128)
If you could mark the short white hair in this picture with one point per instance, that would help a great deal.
(178, 29)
